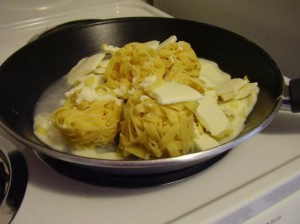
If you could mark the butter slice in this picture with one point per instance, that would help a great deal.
(211, 116)
(173, 92)
(84, 67)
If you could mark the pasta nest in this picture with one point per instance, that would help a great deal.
(89, 124)
(151, 130)
(182, 64)
(179, 57)
(131, 65)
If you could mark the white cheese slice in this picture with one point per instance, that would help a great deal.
(242, 107)
(153, 44)
(246, 90)
(149, 80)
(109, 48)
(104, 63)
(251, 101)
(211, 73)
(84, 67)
(228, 89)
(99, 71)
(171, 39)
(233, 107)
(204, 141)
(211, 116)
(173, 92)
(88, 81)
(235, 127)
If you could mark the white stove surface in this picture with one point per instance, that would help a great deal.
(253, 177)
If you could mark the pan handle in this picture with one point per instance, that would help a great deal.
(291, 100)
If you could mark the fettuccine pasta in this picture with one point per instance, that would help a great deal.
(182, 64)
(88, 123)
(150, 130)
(132, 65)
(96, 125)
(127, 97)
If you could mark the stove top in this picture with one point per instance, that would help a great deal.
(249, 179)
(13, 180)
(125, 181)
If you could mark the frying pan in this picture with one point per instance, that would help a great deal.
(32, 69)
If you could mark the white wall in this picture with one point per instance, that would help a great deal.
(272, 24)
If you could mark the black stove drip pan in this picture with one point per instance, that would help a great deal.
(13, 180)
(124, 181)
